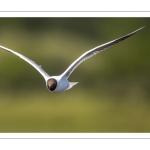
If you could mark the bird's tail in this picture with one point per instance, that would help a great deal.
(71, 84)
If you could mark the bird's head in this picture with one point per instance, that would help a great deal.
(52, 84)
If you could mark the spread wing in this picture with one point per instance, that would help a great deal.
(32, 63)
(95, 51)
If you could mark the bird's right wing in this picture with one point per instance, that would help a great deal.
(37, 67)
(95, 51)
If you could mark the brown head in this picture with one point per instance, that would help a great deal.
(51, 84)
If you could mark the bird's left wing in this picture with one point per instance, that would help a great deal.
(37, 67)
(95, 51)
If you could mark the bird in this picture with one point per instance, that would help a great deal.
(60, 83)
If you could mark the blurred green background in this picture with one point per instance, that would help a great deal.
(113, 94)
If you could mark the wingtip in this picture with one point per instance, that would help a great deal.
(143, 27)
(4, 48)
(130, 34)
(140, 28)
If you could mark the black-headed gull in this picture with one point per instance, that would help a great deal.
(60, 84)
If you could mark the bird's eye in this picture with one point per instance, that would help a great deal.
(51, 84)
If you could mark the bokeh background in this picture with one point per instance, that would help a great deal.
(113, 94)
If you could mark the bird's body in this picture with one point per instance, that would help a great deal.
(60, 84)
